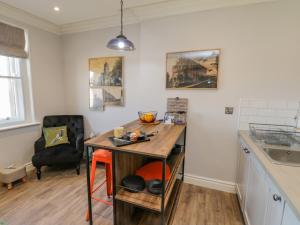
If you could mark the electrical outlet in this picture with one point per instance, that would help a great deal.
(229, 110)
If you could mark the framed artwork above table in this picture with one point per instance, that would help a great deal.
(192, 69)
(106, 82)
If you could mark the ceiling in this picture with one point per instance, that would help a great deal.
(82, 15)
(76, 10)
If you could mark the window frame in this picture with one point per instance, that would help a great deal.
(16, 91)
(27, 117)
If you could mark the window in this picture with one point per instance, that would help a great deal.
(11, 90)
(15, 88)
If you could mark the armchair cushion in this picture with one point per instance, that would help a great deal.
(55, 136)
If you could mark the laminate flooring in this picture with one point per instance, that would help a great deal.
(59, 198)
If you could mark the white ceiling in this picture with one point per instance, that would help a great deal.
(82, 15)
(76, 10)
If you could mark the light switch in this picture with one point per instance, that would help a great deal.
(229, 110)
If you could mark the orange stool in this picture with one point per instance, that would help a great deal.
(101, 156)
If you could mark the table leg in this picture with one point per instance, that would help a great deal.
(114, 187)
(88, 184)
(164, 161)
(183, 163)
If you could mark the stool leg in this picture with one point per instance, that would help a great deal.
(93, 173)
(108, 169)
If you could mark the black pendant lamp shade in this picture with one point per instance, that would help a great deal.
(121, 42)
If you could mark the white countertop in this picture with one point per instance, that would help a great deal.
(286, 178)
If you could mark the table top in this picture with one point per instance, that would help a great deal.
(160, 145)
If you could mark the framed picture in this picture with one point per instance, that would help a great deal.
(96, 99)
(106, 82)
(193, 69)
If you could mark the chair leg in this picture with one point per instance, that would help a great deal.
(78, 169)
(38, 173)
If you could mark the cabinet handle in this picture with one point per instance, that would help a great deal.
(276, 198)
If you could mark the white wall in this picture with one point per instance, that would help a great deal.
(260, 58)
(48, 93)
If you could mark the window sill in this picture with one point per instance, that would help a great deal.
(18, 126)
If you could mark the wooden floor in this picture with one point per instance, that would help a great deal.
(60, 199)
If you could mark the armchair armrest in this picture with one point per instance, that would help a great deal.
(39, 145)
(79, 142)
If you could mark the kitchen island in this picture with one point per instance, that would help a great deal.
(142, 207)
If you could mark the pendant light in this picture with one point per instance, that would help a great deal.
(121, 42)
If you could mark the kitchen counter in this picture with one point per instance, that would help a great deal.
(287, 178)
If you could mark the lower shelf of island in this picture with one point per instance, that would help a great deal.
(150, 201)
(141, 216)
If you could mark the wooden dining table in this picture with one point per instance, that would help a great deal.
(132, 208)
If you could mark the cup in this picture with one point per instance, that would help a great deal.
(119, 132)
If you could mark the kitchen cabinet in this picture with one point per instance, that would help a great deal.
(256, 195)
(275, 205)
(260, 200)
(242, 173)
(289, 218)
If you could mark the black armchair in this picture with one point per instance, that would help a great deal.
(63, 154)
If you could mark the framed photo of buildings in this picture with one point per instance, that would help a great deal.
(193, 69)
(106, 82)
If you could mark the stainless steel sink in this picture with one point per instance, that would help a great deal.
(283, 156)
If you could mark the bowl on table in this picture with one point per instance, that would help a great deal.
(147, 117)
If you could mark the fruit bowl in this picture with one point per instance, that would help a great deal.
(147, 117)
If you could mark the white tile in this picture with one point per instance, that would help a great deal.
(279, 112)
(257, 119)
(258, 103)
(248, 111)
(275, 120)
(287, 113)
(293, 104)
(290, 122)
(277, 104)
(266, 112)
(244, 102)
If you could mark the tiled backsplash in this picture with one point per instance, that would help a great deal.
(267, 111)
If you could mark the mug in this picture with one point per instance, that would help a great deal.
(119, 132)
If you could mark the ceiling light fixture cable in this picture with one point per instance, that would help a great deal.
(121, 42)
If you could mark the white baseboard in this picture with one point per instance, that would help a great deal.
(211, 183)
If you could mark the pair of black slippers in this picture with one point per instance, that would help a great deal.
(135, 184)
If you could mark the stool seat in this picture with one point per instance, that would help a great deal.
(103, 156)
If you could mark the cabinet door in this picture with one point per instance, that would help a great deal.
(242, 174)
(289, 218)
(256, 199)
(275, 205)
